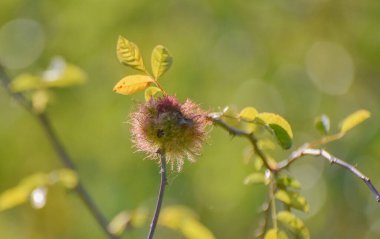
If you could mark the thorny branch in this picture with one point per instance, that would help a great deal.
(333, 160)
(302, 151)
(59, 150)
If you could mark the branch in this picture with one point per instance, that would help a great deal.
(160, 194)
(333, 160)
(238, 132)
(60, 151)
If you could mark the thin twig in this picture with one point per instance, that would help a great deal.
(160, 194)
(333, 160)
(60, 151)
(238, 132)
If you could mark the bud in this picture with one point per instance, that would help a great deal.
(166, 124)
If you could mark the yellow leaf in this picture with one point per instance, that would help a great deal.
(26, 82)
(161, 61)
(248, 114)
(294, 224)
(20, 194)
(275, 234)
(66, 177)
(184, 220)
(128, 54)
(353, 120)
(280, 128)
(131, 84)
(150, 92)
(40, 99)
(293, 199)
(62, 74)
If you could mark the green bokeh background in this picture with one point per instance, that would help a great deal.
(240, 53)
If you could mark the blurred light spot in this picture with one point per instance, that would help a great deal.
(316, 197)
(55, 70)
(21, 43)
(308, 174)
(374, 230)
(313, 186)
(330, 67)
(38, 197)
(264, 95)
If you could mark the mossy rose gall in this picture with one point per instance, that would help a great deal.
(166, 124)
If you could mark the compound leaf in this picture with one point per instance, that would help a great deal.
(131, 84)
(161, 61)
(293, 223)
(293, 199)
(275, 234)
(129, 54)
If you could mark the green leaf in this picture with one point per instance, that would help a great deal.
(161, 61)
(248, 114)
(131, 84)
(128, 54)
(279, 127)
(275, 234)
(255, 178)
(26, 82)
(322, 124)
(353, 120)
(294, 224)
(293, 199)
(286, 181)
(150, 92)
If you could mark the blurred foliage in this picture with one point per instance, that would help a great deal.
(299, 59)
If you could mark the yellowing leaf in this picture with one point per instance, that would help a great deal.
(40, 99)
(128, 54)
(131, 84)
(62, 74)
(294, 224)
(150, 92)
(184, 220)
(286, 181)
(275, 234)
(20, 194)
(124, 219)
(255, 178)
(353, 120)
(161, 61)
(67, 177)
(279, 126)
(293, 199)
(248, 114)
(26, 82)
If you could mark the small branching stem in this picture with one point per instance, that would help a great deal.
(333, 160)
(250, 136)
(272, 188)
(306, 149)
(60, 151)
(161, 193)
